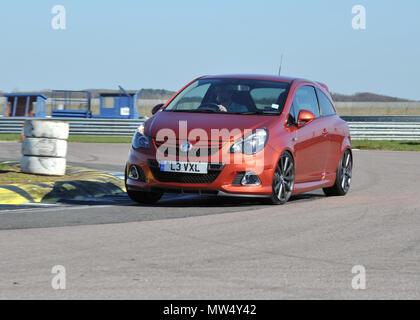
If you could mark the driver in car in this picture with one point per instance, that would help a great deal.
(224, 95)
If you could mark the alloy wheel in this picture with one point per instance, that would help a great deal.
(346, 171)
(284, 178)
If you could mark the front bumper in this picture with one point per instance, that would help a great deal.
(223, 184)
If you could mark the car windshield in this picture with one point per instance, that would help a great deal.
(235, 96)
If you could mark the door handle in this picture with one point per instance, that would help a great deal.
(324, 131)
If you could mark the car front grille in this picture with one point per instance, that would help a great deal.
(213, 172)
(199, 148)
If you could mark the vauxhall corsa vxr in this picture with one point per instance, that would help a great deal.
(284, 131)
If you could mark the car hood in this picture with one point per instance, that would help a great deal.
(205, 121)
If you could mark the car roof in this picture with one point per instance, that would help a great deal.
(252, 76)
(264, 77)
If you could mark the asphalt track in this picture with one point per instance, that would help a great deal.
(220, 248)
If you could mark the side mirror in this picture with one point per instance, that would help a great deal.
(157, 107)
(305, 117)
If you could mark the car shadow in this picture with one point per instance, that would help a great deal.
(188, 201)
(220, 201)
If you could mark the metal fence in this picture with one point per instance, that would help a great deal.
(385, 130)
(81, 127)
(372, 128)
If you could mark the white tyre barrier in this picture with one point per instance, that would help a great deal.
(46, 129)
(44, 147)
(43, 165)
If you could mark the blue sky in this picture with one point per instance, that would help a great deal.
(166, 43)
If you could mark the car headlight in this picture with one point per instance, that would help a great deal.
(252, 143)
(140, 140)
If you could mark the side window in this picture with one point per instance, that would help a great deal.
(327, 108)
(305, 99)
(293, 114)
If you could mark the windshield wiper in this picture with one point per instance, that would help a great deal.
(261, 112)
(256, 112)
(198, 111)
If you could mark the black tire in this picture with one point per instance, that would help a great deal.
(343, 176)
(283, 180)
(142, 197)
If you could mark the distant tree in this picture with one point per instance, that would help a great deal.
(365, 97)
(155, 94)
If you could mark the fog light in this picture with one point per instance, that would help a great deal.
(250, 179)
(133, 174)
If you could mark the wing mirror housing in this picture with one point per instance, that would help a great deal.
(157, 107)
(305, 117)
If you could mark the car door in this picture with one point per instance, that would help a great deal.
(311, 143)
(335, 138)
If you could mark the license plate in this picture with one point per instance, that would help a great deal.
(185, 167)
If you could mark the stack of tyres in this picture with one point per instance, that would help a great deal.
(44, 147)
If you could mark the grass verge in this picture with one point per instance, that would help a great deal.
(396, 145)
(85, 139)
(9, 137)
(93, 139)
(393, 145)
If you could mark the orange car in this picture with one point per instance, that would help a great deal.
(242, 135)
